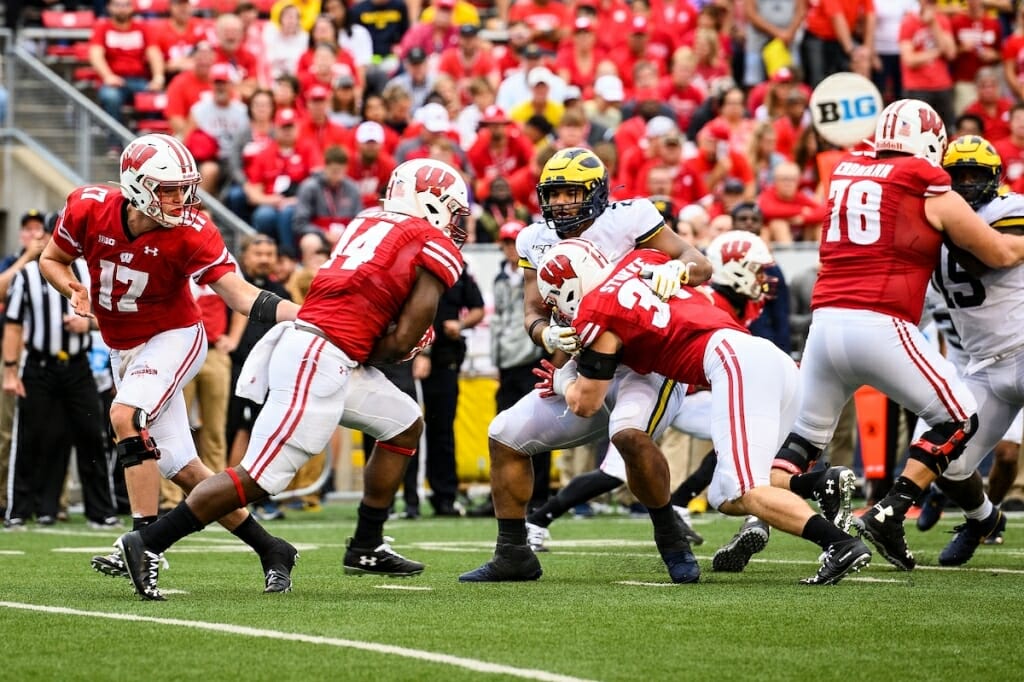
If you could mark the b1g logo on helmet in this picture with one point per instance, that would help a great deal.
(844, 108)
(136, 155)
(434, 180)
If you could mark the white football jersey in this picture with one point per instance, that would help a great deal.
(988, 311)
(622, 227)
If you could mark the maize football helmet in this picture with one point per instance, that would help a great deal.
(578, 169)
(975, 168)
(569, 271)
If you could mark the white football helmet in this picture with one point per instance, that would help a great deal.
(153, 161)
(738, 260)
(431, 190)
(569, 271)
(912, 127)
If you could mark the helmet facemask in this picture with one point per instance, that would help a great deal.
(569, 218)
(977, 184)
(155, 207)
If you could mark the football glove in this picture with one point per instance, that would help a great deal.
(667, 278)
(557, 337)
(426, 340)
(554, 380)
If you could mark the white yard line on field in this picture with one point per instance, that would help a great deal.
(373, 647)
(408, 588)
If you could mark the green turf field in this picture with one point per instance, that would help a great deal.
(604, 610)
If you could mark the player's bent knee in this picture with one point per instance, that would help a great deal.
(629, 441)
(135, 450)
(797, 455)
(939, 446)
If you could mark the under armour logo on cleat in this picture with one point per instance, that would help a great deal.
(368, 560)
(830, 487)
(882, 512)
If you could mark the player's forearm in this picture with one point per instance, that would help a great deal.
(58, 274)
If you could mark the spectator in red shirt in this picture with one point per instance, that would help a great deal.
(230, 33)
(711, 62)
(178, 36)
(499, 149)
(577, 60)
(370, 166)
(828, 38)
(685, 186)
(524, 180)
(926, 47)
(612, 17)
(1013, 57)
(791, 123)
(187, 87)
(435, 36)
(317, 128)
(717, 162)
(789, 214)
(342, 63)
(274, 177)
(637, 48)
(126, 56)
(469, 60)
(977, 37)
(635, 156)
(991, 108)
(679, 90)
(1011, 150)
(545, 19)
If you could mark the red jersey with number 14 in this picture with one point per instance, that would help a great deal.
(140, 285)
(877, 247)
(363, 287)
(667, 337)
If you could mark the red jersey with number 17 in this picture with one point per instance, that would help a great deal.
(363, 287)
(140, 285)
(877, 247)
(667, 337)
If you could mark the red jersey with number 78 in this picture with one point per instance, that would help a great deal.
(140, 285)
(667, 337)
(363, 287)
(877, 247)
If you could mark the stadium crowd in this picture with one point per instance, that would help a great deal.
(298, 112)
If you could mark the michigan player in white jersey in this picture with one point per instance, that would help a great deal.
(1007, 450)
(573, 195)
(987, 308)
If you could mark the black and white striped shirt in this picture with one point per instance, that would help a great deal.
(40, 309)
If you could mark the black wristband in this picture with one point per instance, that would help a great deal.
(264, 309)
(10, 363)
(533, 325)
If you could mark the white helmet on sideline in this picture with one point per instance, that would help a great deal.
(157, 160)
(431, 190)
(911, 126)
(738, 260)
(569, 271)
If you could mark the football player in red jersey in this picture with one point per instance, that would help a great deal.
(373, 301)
(888, 212)
(754, 385)
(142, 245)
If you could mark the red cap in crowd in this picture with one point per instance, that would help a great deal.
(318, 92)
(510, 230)
(494, 114)
(285, 117)
(222, 73)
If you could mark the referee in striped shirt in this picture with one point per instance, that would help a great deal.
(58, 404)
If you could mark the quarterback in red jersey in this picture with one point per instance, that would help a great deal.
(374, 300)
(888, 213)
(142, 246)
(754, 386)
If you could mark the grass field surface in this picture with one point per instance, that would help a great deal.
(604, 610)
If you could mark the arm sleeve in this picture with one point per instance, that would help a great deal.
(442, 259)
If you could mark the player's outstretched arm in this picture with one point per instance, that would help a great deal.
(250, 300)
(596, 367)
(950, 213)
(671, 243)
(416, 316)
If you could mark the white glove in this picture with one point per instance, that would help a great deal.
(667, 278)
(562, 377)
(565, 339)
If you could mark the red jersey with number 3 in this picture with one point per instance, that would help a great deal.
(140, 285)
(363, 287)
(667, 337)
(877, 247)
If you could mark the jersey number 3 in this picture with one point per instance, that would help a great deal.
(859, 202)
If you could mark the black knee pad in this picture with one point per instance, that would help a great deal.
(136, 450)
(797, 455)
(943, 443)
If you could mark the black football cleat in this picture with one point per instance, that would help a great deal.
(511, 563)
(886, 534)
(143, 566)
(840, 559)
(381, 560)
(969, 535)
(277, 567)
(734, 556)
(835, 495)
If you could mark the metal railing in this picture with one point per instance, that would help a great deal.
(51, 116)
